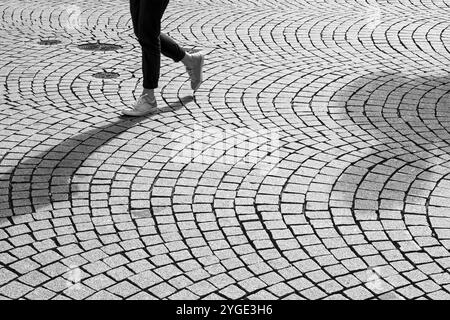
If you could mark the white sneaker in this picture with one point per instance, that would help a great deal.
(195, 71)
(142, 107)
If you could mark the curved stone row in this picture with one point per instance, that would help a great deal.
(313, 162)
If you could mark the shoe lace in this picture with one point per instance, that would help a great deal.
(142, 99)
(146, 98)
(190, 71)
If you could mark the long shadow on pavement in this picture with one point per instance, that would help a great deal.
(405, 120)
(43, 179)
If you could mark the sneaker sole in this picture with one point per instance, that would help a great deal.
(134, 114)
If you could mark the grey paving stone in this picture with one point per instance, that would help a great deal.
(300, 284)
(25, 266)
(162, 290)
(97, 267)
(331, 286)
(103, 295)
(168, 272)
(99, 282)
(6, 276)
(411, 292)
(58, 284)
(271, 278)
(94, 255)
(266, 181)
(142, 296)
(233, 292)
(23, 252)
(281, 289)
(313, 293)
(358, 293)
(202, 288)
(439, 295)
(183, 295)
(123, 289)
(15, 290)
(180, 282)
(428, 286)
(40, 294)
(47, 257)
(120, 273)
(140, 266)
(78, 292)
(6, 258)
(146, 279)
(262, 295)
(34, 278)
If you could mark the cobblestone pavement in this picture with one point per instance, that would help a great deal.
(313, 163)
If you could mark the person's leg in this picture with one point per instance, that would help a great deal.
(148, 34)
(146, 16)
(134, 10)
(153, 43)
(171, 49)
(193, 62)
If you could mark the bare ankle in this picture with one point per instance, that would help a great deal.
(150, 92)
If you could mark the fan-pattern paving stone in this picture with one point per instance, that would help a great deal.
(312, 164)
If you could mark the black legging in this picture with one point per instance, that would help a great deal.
(146, 16)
